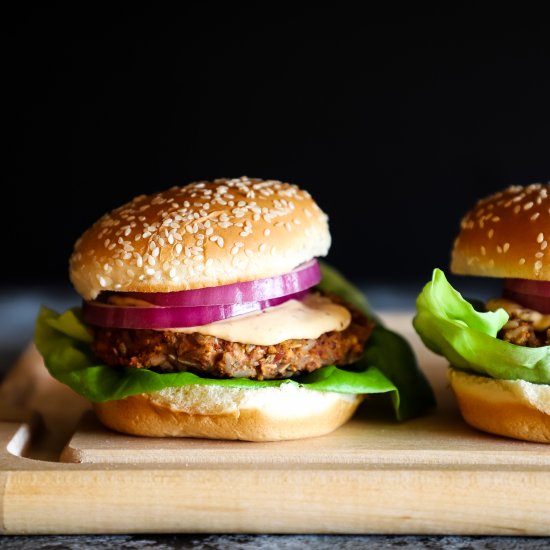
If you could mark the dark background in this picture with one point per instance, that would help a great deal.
(395, 122)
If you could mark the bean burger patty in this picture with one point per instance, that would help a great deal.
(169, 351)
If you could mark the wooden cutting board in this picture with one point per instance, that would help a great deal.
(373, 475)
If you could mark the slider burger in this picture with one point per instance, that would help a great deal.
(498, 352)
(204, 315)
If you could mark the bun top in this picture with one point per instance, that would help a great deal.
(200, 235)
(506, 235)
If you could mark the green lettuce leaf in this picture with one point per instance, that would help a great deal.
(387, 366)
(386, 350)
(450, 326)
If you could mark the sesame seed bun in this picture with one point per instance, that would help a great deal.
(512, 408)
(506, 235)
(216, 412)
(201, 235)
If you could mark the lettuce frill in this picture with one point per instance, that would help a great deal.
(450, 326)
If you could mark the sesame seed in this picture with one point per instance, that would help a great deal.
(534, 216)
(539, 255)
(540, 237)
(521, 261)
(483, 251)
(490, 233)
(267, 231)
(506, 247)
(538, 265)
(528, 205)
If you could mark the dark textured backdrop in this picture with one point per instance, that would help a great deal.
(395, 122)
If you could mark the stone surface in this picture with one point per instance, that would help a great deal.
(269, 542)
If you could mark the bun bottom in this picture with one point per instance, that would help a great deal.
(512, 408)
(217, 412)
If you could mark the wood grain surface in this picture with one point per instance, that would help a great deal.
(429, 475)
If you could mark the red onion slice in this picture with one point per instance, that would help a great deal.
(526, 286)
(105, 315)
(530, 301)
(303, 277)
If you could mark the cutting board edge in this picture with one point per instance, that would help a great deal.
(307, 502)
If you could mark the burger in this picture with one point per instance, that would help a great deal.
(498, 351)
(206, 314)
